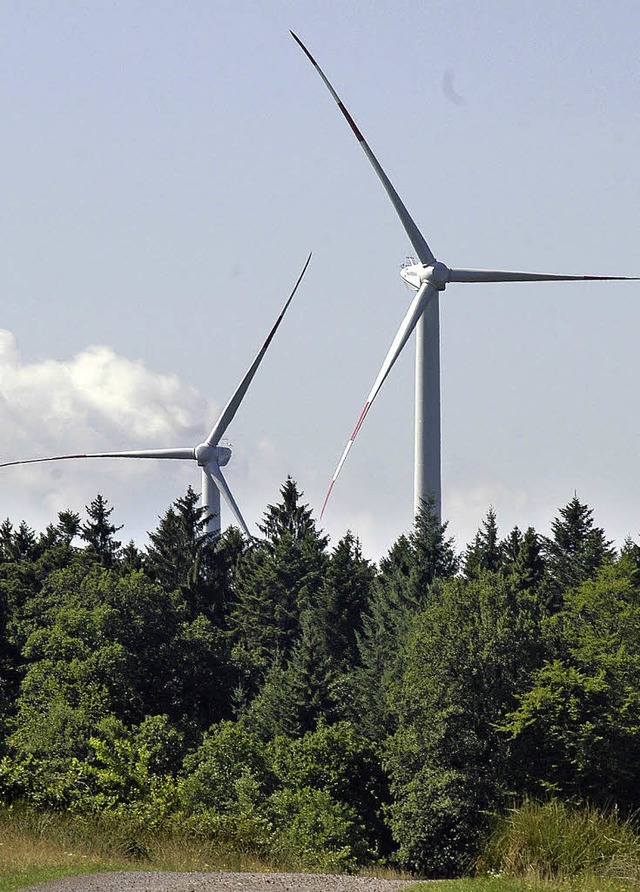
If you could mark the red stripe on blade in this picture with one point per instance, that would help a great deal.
(326, 499)
(351, 122)
(360, 420)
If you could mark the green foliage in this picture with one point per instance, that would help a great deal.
(577, 548)
(172, 557)
(131, 771)
(468, 655)
(398, 707)
(432, 553)
(408, 575)
(228, 755)
(343, 763)
(576, 730)
(342, 599)
(312, 828)
(98, 532)
(314, 800)
(484, 554)
(295, 697)
(522, 559)
(276, 581)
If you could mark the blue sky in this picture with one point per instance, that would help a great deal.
(166, 168)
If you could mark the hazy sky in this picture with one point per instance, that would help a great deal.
(166, 168)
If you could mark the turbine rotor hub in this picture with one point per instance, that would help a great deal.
(437, 275)
(206, 454)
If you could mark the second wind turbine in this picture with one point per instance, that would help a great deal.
(427, 278)
(210, 456)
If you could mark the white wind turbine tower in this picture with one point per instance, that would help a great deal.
(209, 455)
(427, 278)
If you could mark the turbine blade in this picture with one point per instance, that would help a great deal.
(216, 475)
(146, 453)
(232, 406)
(416, 238)
(420, 301)
(499, 275)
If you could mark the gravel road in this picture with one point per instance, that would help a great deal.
(152, 881)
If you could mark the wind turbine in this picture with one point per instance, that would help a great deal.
(209, 455)
(428, 278)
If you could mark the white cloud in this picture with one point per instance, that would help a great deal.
(94, 402)
(96, 399)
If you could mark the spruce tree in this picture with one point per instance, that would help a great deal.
(345, 593)
(311, 674)
(414, 566)
(522, 559)
(275, 582)
(98, 532)
(183, 558)
(288, 517)
(131, 558)
(433, 554)
(68, 525)
(175, 545)
(296, 696)
(484, 553)
(576, 550)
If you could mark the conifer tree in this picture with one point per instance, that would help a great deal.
(131, 559)
(288, 517)
(296, 696)
(433, 554)
(522, 559)
(16, 544)
(345, 593)
(576, 550)
(384, 626)
(311, 674)
(68, 525)
(272, 711)
(24, 541)
(184, 558)
(484, 553)
(414, 565)
(399, 560)
(276, 581)
(98, 532)
(176, 544)
(6, 540)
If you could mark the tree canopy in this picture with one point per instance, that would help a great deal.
(294, 697)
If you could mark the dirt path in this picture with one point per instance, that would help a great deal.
(151, 881)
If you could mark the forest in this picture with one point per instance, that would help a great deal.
(286, 695)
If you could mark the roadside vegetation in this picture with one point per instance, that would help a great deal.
(287, 704)
(535, 848)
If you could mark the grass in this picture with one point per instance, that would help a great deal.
(28, 855)
(535, 848)
(552, 847)
(584, 883)
(554, 841)
(38, 846)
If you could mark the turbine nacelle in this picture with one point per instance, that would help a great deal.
(418, 274)
(206, 455)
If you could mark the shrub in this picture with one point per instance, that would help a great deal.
(313, 829)
(340, 761)
(228, 755)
